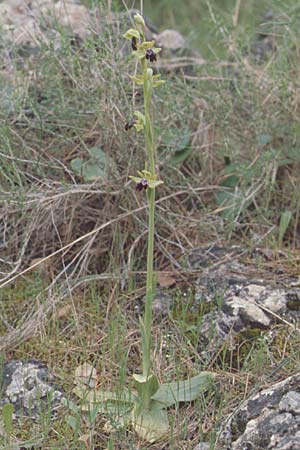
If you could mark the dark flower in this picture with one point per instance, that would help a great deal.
(134, 43)
(150, 54)
(130, 124)
(143, 184)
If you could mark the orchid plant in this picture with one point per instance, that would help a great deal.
(144, 408)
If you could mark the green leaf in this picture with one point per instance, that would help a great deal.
(232, 202)
(116, 405)
(118, 410)
(74, 422)
(184, 391)
(145, 385)
(94, 168)
(110, 444)
(176, 144)
(264, 139)
(7, 416)
(181, 155)
(230, 181)
(285, 219)
(232, 174)
(71, 405)
(150, 424)
(99, 396)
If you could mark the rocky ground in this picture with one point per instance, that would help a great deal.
(241, 300)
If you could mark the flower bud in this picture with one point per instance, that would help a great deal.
(139, 21)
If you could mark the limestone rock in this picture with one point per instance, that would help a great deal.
(243, 297)
(24, 21)
(28, 385)
(161, 304)
(170, 39)
(203, 446)
(269, 420)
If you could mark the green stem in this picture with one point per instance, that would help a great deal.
(147, 323)
(149, 287)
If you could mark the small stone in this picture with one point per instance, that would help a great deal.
(161, 304)
(203, 446)
(170, 39)
(248, 311)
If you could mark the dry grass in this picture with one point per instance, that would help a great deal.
(73, 253)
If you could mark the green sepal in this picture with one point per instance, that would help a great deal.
(139, 127)
(140, 124)
(158, 83)
(147, 44)
(153, 184)
(132, 33)
(135, 179)
(146, 174)
(140, 54)
(138, 79)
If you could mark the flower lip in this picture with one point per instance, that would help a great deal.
(130, 124)
(151, 55)
(142, 185)
(134, 43)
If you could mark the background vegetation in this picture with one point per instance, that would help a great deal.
(229, 154)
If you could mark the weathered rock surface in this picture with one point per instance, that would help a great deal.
(203, 446)
(162, 303)
(240, 295)
(28, 386)
(25, 21)
(269, 420)
(29, 24)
